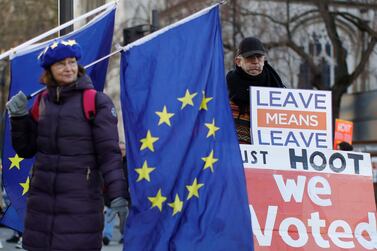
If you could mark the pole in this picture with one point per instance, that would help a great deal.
(234, 25)
(155, 20)
(56, 29)
(65, 13)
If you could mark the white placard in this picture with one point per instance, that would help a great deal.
(291, 118)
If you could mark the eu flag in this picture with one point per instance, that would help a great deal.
(95, 40)
(185, 170)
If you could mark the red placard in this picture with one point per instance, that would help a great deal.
(343, 132)
(303, 199)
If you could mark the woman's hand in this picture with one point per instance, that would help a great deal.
(17, 105)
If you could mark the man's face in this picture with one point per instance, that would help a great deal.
(252, 65)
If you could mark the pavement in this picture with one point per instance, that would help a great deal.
(6, 233)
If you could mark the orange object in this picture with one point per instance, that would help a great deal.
(343, 132)
(274, 118)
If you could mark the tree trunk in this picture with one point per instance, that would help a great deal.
(339, 88)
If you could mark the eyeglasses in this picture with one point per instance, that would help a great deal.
(257, 56)
(71, 62)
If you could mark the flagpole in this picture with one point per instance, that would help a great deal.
(119, 48)
(56, 29)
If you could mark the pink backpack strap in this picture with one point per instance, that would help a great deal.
(35, 107)
(89, 103)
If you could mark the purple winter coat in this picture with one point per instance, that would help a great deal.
(72, 160)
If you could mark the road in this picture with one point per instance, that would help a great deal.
(5, 233)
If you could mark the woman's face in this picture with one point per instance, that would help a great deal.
(65, 71)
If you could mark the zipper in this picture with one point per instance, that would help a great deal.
(58, 94)
(57, 152)
(53, 206)
(88, 174)
(59, 109)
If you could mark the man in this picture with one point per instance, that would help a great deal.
(251, 69)
(344, 146)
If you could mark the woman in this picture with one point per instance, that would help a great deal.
(73, 157)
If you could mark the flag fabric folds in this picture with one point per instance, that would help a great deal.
(185, 170)
(95, 39)
(10, 218)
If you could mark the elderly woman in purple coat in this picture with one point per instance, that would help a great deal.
(74, 158)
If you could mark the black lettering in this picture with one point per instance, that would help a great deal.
(244, 156)
(356, 160)
(314, 165)
(253, 155)
(264, 153)
(333, 158)
(294, 159)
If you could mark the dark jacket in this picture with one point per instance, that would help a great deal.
(73, 158)
(239, 83)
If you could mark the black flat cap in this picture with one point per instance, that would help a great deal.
(250, 46)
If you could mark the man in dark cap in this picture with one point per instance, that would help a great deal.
(251, 69)
(344, 146)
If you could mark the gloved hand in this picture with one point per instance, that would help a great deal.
(17, 105)
(119, 206)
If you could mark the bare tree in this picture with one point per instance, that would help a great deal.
(23, 20)
(287, 21)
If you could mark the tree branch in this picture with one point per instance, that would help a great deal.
(299, 16)
(363, 61)
(245, 12)
(358, 22)
(287, 26)
(339, 51)
(303, 22)
(298, 49)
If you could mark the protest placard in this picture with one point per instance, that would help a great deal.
(343, 132)
(310, 199)
(291, 118)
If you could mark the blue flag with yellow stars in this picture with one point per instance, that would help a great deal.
(186, 175)
(95, 40)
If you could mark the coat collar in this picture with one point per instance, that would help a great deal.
(58, 93)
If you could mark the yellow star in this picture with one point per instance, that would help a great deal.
(54, 45)
(144, 172)
(212, 128)
(176, 205)
(69, 42)
(157, 200)
(209, 161)
(203, 104)
(148, 141)
(15, 162)
(194, 189)
(43, 52)
(25, 186)
(164, 116)
(187, 99)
